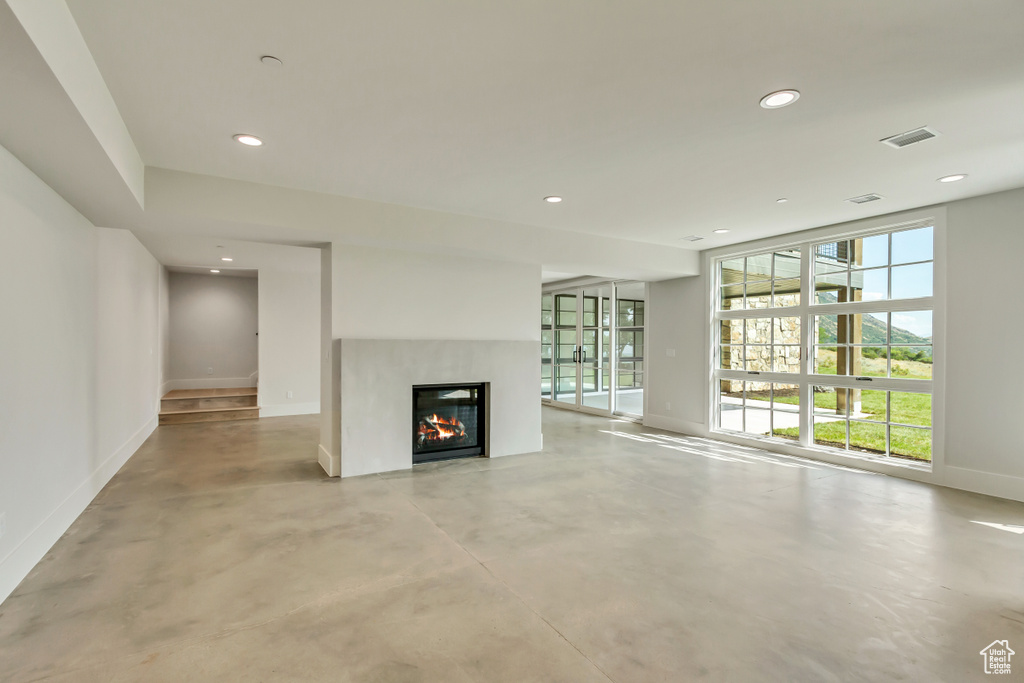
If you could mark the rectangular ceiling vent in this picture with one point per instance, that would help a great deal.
(693, 238)
(911, 137)
(865, 198)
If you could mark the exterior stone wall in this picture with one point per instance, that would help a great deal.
(759, 350)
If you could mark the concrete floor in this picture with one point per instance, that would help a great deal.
(221, 553)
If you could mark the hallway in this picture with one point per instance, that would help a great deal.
(221, 552)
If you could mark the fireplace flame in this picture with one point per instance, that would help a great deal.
(434, 428)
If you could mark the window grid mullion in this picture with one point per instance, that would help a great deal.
(806, 311)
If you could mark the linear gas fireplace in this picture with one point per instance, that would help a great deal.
(447, 421)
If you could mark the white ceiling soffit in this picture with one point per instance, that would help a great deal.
(189, 204)
(59, 42)
(44, 129)
(200, 254)
(549, 276)
(644, 116)
(221, 272)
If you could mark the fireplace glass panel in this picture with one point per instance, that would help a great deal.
(448, 422)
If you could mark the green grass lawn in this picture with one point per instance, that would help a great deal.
(825, 364)
(906, 408)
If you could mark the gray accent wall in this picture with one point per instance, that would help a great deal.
(377, 376)
(213, 326)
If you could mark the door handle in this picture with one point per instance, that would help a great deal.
(574, 357)
(583, 355)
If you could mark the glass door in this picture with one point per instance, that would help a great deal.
(576, 350)
(629, 324)
(592, 348)
(566, 380)
(595, 357)
(546, 336)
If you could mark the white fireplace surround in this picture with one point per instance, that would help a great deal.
(376, 379)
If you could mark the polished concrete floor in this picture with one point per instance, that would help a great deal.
(221, 553)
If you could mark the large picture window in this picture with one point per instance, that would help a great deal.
(830, 343)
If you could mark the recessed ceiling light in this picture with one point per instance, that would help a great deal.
(226, 258)
(779, 98)
(720, 231)
(214, 270)
(952, 178)
(250, 140)
(781, 200)
(552, 199)
(270, 60)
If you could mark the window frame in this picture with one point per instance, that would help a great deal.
(806, 310)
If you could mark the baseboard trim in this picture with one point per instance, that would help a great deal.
(976, 481)
(286, 409)
(330, 463)
(675, 425)
(207, 383)
(28, 553)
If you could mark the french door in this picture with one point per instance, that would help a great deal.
(579, 356)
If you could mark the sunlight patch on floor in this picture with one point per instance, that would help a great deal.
(1012, 528)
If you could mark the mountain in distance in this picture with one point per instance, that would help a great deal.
(873, 331)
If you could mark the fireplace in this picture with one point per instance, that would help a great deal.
(447, 421)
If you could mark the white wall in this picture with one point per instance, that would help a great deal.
(984, 376)
(165, 330)
(76, 399)
(128, 337)
(289, 339)
(329, 452)
(213, 325)
(676, 385)
(390, 294)
(981, 447)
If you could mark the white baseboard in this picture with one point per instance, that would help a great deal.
(27, 554)
(673, 424)
(1000, 485)
(283, 409)
(330, 463)
(208, 383)
(164, 388)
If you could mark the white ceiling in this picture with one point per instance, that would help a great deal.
(643, 115)
(224, 272)
(199, 254)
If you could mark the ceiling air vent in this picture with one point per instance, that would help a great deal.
(865, 198)
(692, 238)
(911, 137)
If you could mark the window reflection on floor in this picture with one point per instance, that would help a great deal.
(726, 452)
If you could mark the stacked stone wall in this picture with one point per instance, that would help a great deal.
(758, 349)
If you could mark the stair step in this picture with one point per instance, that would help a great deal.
(169, 417)
(209, 393)
(206, 402)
